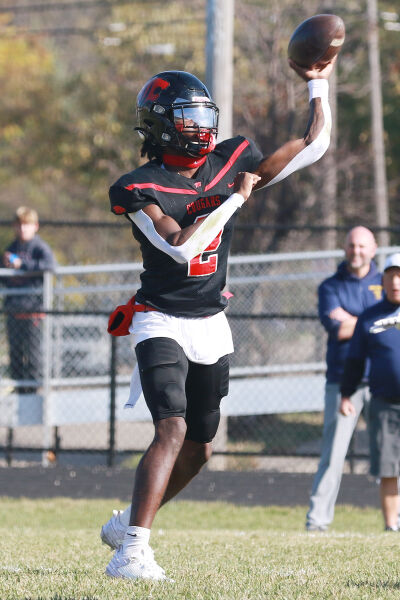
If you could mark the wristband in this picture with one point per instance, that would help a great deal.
(318, 88)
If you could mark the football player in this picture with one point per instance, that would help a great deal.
(182, 205)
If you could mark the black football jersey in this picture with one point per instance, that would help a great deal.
(192, 289)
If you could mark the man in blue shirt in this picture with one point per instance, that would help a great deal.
(377, 339)
(341, 299)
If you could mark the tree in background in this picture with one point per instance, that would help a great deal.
(69, 81)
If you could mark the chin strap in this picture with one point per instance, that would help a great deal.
(178, 160)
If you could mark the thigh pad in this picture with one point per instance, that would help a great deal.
(163, 369)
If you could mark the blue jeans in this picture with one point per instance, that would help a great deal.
(336, 437)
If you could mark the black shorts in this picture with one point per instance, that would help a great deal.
(173, 386)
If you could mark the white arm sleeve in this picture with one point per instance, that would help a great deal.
(318, 88)
(199, 240)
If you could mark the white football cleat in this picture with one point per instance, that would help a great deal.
(113, 532)
(387, 323)
(141, 566)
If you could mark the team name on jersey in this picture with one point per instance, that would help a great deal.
(202, 203)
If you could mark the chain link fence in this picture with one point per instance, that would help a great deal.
(64, 380)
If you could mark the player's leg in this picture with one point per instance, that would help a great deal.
(191, 458)
(154, 470)
(206, 385)
(336, 437)
(163, 369)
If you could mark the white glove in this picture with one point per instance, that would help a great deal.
(383, 324)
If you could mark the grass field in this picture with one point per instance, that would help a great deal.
(50, 550)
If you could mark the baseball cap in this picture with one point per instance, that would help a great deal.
(392, 261)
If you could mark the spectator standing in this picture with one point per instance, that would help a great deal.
(377, 339)
(26, 253)
(341, 299)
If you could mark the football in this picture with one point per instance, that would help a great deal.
(317, 40)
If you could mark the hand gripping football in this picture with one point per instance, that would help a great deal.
(317, 40)
(387, 323)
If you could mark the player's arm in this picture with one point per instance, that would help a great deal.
(183, 244)
(169, 229)
(296, 154)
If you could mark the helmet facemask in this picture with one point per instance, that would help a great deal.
(177, 116)
(196, 127)
(190, 129)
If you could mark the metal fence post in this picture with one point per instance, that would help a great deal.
(9, 445)
(111, 436)
(47, 353)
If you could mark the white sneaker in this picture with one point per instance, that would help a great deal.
(112, 533)
(142, 566)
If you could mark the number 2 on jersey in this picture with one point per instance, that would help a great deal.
(202, 265)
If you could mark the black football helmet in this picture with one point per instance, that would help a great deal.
(175, 111)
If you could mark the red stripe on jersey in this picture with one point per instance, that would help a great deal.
(159, 188)
(228, 165)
